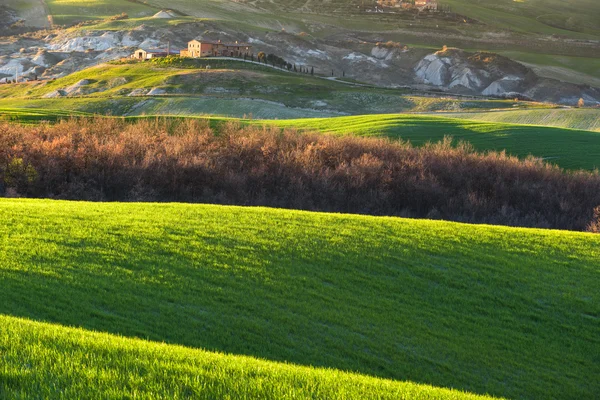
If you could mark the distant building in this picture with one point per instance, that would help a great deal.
(146, 54)
(206, 48)
(426, 4)
(390, 3)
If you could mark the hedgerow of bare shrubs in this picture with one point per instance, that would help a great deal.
(186, 160)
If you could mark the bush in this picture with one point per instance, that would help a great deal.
(184, 160)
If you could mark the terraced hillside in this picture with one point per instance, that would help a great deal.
(504, 311)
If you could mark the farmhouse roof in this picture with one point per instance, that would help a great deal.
(158, 51)
(220, 42)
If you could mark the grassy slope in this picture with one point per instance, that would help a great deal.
(580, 70)
(537, 16)
(32, 11)
(497, 310)
(569, 148)
(192, 89)
(586, 119)
(75, 363)
(67, 12)
(531, 16)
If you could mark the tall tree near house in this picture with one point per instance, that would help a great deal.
(261, 56)
(312, 70)
(295, 69)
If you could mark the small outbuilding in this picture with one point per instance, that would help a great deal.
(146, 54)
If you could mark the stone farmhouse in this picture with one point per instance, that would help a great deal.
(206, 48)
(197, 49)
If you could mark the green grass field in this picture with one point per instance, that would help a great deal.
(584, 119)
(504, 311)
(75, 363)
(569, 148)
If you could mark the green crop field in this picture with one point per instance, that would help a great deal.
(489, 310)
(569, 148)
(584, 119)
(76, 363)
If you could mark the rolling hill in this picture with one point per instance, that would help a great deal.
(181, 86)
(472, 307)
(538, 16)
(261, 95)
(556, 38)
(170, 300)
(569, 148)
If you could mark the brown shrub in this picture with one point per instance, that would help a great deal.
(185, 160)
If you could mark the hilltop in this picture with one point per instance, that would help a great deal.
(191, 87)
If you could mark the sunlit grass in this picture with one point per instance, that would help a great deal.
(509, 312)
(50, 361)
